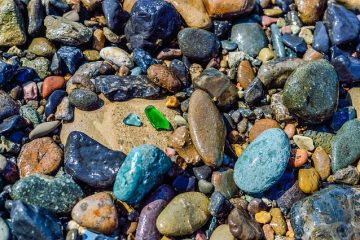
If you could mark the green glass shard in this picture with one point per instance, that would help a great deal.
(157, 119)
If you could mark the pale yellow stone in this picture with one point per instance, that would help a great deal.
(266, 54)
(307, 35)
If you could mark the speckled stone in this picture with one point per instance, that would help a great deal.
(242, 226)
(323, 139)
(84, 99)
(117, 56)
(268, 154)
(28, 112)
(8, 107)
(42, 47)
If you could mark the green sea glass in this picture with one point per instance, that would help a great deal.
(157, 119)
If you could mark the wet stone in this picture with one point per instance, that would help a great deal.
(295, 43)
(157, 119)
(347, 67)
(224, 183)
(12, 123)
(254, 92)
(348, 175)
(114, 14)
(321, 40)
(8, 107)
(71, 57)
(84, 99)
(143, 59)
(35, 11)
(53, 101)
(242, 226)
(219, 205)
(43, 129)
(163, 77)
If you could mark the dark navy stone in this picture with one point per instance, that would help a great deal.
(202, 172)
(295, 43)
(53, 101)
(180, 71)
(84, 99)
(284, 4)
(184, 184)
(152, 24)
(219, 205)
(255, 92)
(346, 66)
(143, 59)
(90, 162)
(8, 107)
(72, 57)
(25, 74)
(57, 65)
(7, 72)
(18, 137)
(114, 14)
(163, 192)
(286, 181)
(30, 222)
(221, 28)
(12, 123)
(321, 41)
(342, 24)
(341, 116)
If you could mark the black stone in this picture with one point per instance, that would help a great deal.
(202, 172)
(152, 24)
(347, 67)
(30, 222)
(180, 71)
(221, 28)
(117, 88)
(12, 123)
(90, 162)
(114, 14)
(321, 41)
(219, 205)
(8, 107)
(7, 72)
(295, 43)
(36, 12)
(72, 57)
(53, 101)
(284, 4)
(255, 92)
(56, 7)
(163, 192)
(143, 59)
(83, 99)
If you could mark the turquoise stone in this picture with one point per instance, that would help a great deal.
(139, 173)
(263, 162)
(157, 119)
(133, 120)
(4, 230)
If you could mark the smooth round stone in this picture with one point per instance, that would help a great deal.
(321, 41)
(224, 183)
(222, 232)
(205, 186)
(228, 8)
(309, 180)
(250, 38)
(295, 43)
(116, 55)
(207, 128)
(142, 167)
(185, 214)
(84, 99)
(321, 162)
(242, 226)
(42, 47)
(4, 230)
(96, 212)
(311, 91)
(44, 129)
(261, 126)
(345, 147)
(304, 142)
(310, 11)
(268, 154)
(198, 44)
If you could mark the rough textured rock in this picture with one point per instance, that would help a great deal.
(163, 77)
(8, 107)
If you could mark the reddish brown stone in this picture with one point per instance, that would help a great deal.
(245, 74)
(51, 84)
(163, 77)
(228, 8)
(311, 10)
(261, 126)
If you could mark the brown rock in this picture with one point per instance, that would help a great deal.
(245, 74)
(51, 84)
(41, 156)
(311, 55)
(290, 130)
(207, 128)
(310, 10)
(98, 39)
(351, 4)
(169, 54)
(96, 212)
(321, 163)
(268, 232)
(193, 12)
(90, 5)
(163, 77)
(180, 140)
(260, 126)
(228, 8)
(242, 227)
(354, 98)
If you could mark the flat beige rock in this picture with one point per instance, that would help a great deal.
(106, 126)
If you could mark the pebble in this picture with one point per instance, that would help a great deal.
(260, 126)
(222, 232)
(82, 77)
(269, 233)
(7, 71)
(354, 98)
(310, 11)
(208, 137)
(143, 59)
(321, 162)
(51, 84)
(348, 175)
(39, 64)
(42, 47)
(277, 42)
(96, 212)
(12, 123)
(245, 74)
(185, 214)
(43, 129)
(72, 57)
(4, 230)
(268, 154)
(291, 196)
(224, 183)
(35, 10)
(290, 130)
(263, 217)
(219, 206)
(242, 226)
(256, 205)
(345, 65)
(295, 43)
(163, 77)
(278, 222)
(64, 111)
(114, 14)
(228, 8)
(321, 41)
(117, 55)
(266, 54)
(254, 93)
(304, 142)
(84, 99)
(299, 158)
(309, 180)
(30, 91)
(133, 120)
(205, 187)
(8, 107)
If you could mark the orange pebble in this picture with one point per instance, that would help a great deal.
(299, 158)
(290, 130)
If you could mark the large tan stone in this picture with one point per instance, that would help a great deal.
(228, 8)
(106, 126)
(354, 98)
(128, 4)
(350, 4)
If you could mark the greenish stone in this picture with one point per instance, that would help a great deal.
(157, 119)
(30, 114)
(346, 145)
(42, 47)
(39, 64)
(225, 183)
(4, 230)
(205, 186)
(132, 120)
(322, 139)
(58, 194)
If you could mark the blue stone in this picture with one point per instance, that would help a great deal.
(228, 45)
(132, 120)
(25, 74)
(142, 168)
(53, 101)
(346, 66)
(295, 43)
(12, 123)
(321, 41)
(184, 184)
(136, 71)
(180, 71)
(88, 235)
(341, 116)
(219, 206)
(263, 162)
(7, 71)
(72, 57)
(143, 59)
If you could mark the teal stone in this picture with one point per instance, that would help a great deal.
(133, 120)
(30, 114)
(263, 162)
(140, 172)
(345, 146)
(58, 194)
(4, 230)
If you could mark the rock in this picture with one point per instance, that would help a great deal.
(133, 120)
(42, 47)
(82, 77)
(309, 180)
(193, 12)
(308, 214)
(242, 226)
(72, 57)
(96, 212)
(160, 15)
(43, 129)
(8, 107)
(117, 56)
(311, 91)
(7, 72)
(278, 222)
(291, 196)
(304, 142)
(143, 59)
(254, 93)
(310, 11)
(64, 111)
(114, 14)
(57, 194)
(205, 187)
(117, 88)
(222, 232)
(84, 99)
(345, 150)
(35, 11)
(4, 230)
(143, 166)
(51, 84)
(321, 40)
(219, 206)
(66, 32)
(342, 24)
(269, 233)
(39, 64)
(228, 8)
(257, 205)
(224, 183)
(266, 54)
(53, 101)
(321, 163)
(163, 192)
(185, 214)
(32, 222)
(12, 24)
(260, 126)
(345, 65)
(295, 43)
(354, 98)
(350, 4)
(41, 156)
(198, 44)
(348, 175)
(12, 124)
(29, 113)
(30, 91)
(323, 139)
(91, 5)
(163, 77)
(244, 34)
(209, 136)
(128, 4)
(268, 154)
(280, 111)
(245, 74)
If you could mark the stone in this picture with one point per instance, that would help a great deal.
(96, 212)
(114, 14)
(354, 99)
(277, 43)
(321, 41)
(157, 119)
(198, 44)
(8, 107)
(345, 65)
(143, 59)
(307, 35)
(208, 137)
(42, 47)
(269, 233)
(345, 151)
(242, 226)
(82, 77)
(260, 126)
(299, 158)
(53, 101)
(185, 214)
(98, 39)
(263, 217)
(29, 113)
(84, 99)
(254, 93)
(266, 54)
(35, 10)
(4, 230)
(311, 91)
(280, 111)
(348, 175)
(40, 156)
(58, 194)
(91, 55)
(64, 111)
(314, 216)
(257, 205)
(117, 88)
(91, 5)
(163, 77)
(7, 72)
(310, 11)
(278, 222)
(219, 205)
(350, 4)
(268, 154)
(12, 124)
(304, 142)
(295, 43)
(11, 24)
(245, 74)
(309, 180)
(51, 84)
(222, 232)
(65, 31)
(321, 162)
(244, 34)
(193, 12)
(30, 91)
(43, 129)
(128, 4)
(132, 120)
(323, 139)
(142, 167)
(90, 162)
(228, 8)
(205, 187)
(72, 57)
(292, 195)
(39, 64)
(224, 183)
(116, 55)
